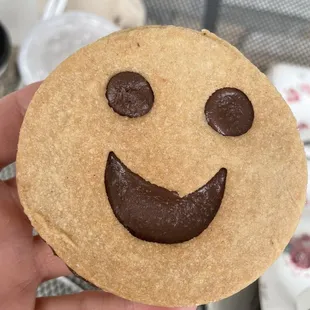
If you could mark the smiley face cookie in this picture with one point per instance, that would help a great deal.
(162, 166)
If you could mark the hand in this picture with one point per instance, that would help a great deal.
(26, 261)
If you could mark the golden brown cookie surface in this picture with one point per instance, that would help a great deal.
(70, 130)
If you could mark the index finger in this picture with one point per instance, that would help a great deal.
(12, 111)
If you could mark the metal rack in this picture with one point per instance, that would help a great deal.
(265, 31)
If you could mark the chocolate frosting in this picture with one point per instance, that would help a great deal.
(130, 94)
(155, 214)
(229, 112)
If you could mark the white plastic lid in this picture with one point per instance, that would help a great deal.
(52, 41)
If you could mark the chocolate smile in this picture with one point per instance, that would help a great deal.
(155, 214)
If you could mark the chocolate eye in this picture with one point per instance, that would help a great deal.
(229, 112)
(130, 94)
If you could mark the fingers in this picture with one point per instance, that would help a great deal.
(82, 301)
(13, 222)
(11, 182)
(49, 265)
(93, 301)
(12, 189)
(12, 110)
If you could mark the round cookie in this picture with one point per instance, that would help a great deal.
(162, 166)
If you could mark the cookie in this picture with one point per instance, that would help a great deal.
(162, 166)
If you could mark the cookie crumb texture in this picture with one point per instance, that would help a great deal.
(70, 129)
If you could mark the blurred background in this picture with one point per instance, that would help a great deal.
(36, 35)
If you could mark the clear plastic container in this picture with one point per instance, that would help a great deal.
(53, 40)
